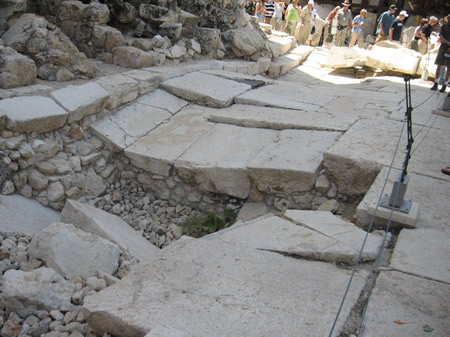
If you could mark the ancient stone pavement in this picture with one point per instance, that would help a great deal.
(225, 127)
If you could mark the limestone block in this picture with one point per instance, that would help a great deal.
(407, 297)
(148, 81)
(342, 57)
(71, 11)
(218, 161)
(246, 42)
(82, 100)
(163, 100)
(205, 89)
(132, 57)
(96, 13)
(107, 226)
(109, 132)
(122, 89)
(292, 163)
(188, 20)
(248, 76)
(16, 70)
(73, 252)
(279, 45)
(33, 113)
(157, 151)
(23, 215)
(215, 276)
(427, 65)
(106, 38)
(177, 52)
(42, 289)
(400, 59)
(171, 29)
(283, 64)
(209, 39)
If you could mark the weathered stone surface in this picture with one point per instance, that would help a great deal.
(419, 252)
(293, 161)
(246, 42)
(122, 89)
(285, 95)
(342, 57)
(22, 215)
(106, 38)
(163, 100)
(168, 72)
(205, 89)
(252, 210)
(41, 289)
(398, 296)
(299, 234)
(279, 45)
(171, 29)
(398, 59)
(132, 57)
(249, 75)
(283, 64)
(278, 119)
(433, 211)
(15, 69)
(148, 81)
(81, 100)
(33, 113)
(157, 151)
(215, 276)
(107, 226)
(218, 161)
(73, 252)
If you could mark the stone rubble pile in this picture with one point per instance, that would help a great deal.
(36, 300)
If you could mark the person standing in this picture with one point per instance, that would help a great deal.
(384, 23)
(418, 34)
(277, 15)
(344, 21)
(426, 32)
(357, 29)
(329, 33)
(306, 16)
(292, 14)
(250, 7)
(269, 11)
(260, 11)
(395, 33)
(443, 56)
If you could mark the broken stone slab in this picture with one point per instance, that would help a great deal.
(22, 215)
(33, 114)
(157, 151)
(279, 119)
(399, 59)
(73, 252)
(282, 64)
(122, 89)
(109, 227)
(218, 160)
(267, 291)
(419, 252)
(16, 70)
(241, 67)
(414, 300)
(41, 289)
(114, 137)
(355, 159)
(342, 57)
(325, 243)
(163, 100)
(148, 81)
(252, 210)
(293, 161)
(204, 89)
(253, 80)
(82, 100)
(280, 45)
(285, 95)
(168, 72)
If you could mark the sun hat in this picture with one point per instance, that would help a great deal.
(346, 3)
(393, 7)
(311, 2)
(404, 13)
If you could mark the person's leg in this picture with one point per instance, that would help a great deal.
(360, 40)
(436, 78)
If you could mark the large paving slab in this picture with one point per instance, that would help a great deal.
(157, 151)
(282, 64)
(171, 71)
(335, 241)
(108, 226)
(129, 124)
(163, 100)
(21, 215)
(82, 100)
(121, 88)
(293, 161)
(218, 160)
(239, 77)
(431, 194)
(204, 288)
(394, 59)
(417, 302)
(422, 252)
(279, 119)
(33, 114)
(205, 89)
(285, 95)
